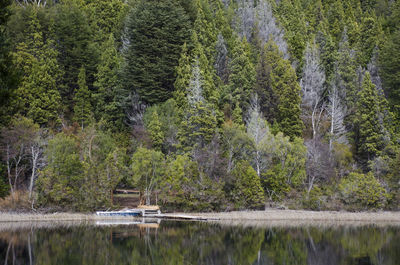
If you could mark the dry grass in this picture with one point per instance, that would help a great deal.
(301, 215)
(32, 217)
(18, 201)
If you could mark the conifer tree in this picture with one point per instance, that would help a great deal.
(367, 120)
(242, 76)
(280, 92)
(346, 77)
(155, 33)
(82, 98)
(184, 73)
(284, 82)
(105, 98)
(154, 129)
(291, 15)
(37, 95)
(269, 58)
(199, 124)
(76, 48)
(389, 61)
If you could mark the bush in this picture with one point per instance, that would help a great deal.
(313, 200)
(247, 190)
(362, 191)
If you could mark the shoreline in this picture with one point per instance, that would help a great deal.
(235, 216)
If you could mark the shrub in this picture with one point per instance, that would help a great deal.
(247, 190)
(362, 191)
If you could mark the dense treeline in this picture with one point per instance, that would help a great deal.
(202, 104)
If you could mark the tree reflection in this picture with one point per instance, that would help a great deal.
(200, 243)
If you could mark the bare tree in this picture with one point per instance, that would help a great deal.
(337, 114)
(31, 2)
(312, 86)
(36, 158)
(15, 142)
(318, 165)
(258, 130)
(261, 17)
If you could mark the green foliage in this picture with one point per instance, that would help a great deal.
(37, 96)
(82, 98)
(284, 83)
(148, 168)
(287, 168)
(362, 191)
(389, 61)
(154, 128)
(106, 97)
(59, 182)
(242, 76)
(370, 129)
(81, 172)
(156, 31)
(76, 49)
(7, 75)
(247, 191)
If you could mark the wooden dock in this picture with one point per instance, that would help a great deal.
(173, 216)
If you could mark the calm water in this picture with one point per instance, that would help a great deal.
(198, 243)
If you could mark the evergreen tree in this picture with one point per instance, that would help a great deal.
(346, 78)
(37, 96)
(105, 98)
(242, 74)
(82, 98)
(269, 58)
(284, 82)
(199, 123)
(389, 61)
(7, 76)
(291, 15)
(335, 17)
(155, 33)
(184, 73)
(154, 129)
(76, 48)
(369, 37)
(369, 140)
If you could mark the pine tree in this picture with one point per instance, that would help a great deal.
(279, 91)
(82, 97)
(155, 33)
(335, 16)
(7, 75)
(369, 36)
(346, 77)
(291, 15)
(284, 82)
(76, 46)
(154, 129)
(242, 76)
(269, 58)
(37, 95)
(105, 98)
(389, 61)
(369, 141)
(199, 124)
(184, 73)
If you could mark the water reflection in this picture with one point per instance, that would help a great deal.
(198, 243)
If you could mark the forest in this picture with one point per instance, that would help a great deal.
(201, 105)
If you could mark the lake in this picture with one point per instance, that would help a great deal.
(178, 242)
